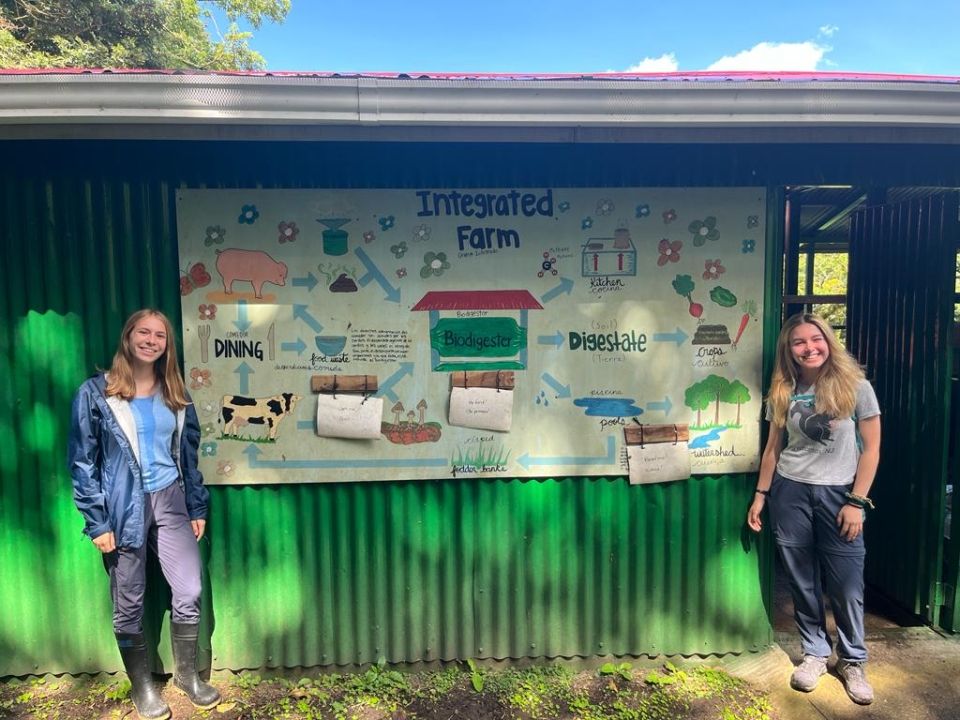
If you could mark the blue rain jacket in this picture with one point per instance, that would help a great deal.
(104, 459)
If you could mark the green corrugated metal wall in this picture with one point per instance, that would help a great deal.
(900, 310)
(351, 573)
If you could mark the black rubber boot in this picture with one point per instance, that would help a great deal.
(143, 692)
(185, 677)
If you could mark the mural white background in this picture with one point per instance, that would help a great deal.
(611, 306)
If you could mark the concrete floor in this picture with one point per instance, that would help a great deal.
(914, 670)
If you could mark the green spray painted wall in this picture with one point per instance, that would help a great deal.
(349, 573)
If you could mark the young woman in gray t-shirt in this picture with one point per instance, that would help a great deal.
(816, 485)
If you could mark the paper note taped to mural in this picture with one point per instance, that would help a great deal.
(608, 305)
(349, 416)
(483, 408)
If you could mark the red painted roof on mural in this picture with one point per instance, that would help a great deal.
(478, 300)
(690, 76)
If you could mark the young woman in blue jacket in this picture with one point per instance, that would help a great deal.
(133, 459)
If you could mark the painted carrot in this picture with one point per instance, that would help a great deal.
(749, 311)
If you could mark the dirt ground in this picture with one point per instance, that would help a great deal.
(619, 692)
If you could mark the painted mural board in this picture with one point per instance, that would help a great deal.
(610, 307)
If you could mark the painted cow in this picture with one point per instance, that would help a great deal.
(238, 411)
(252, 266)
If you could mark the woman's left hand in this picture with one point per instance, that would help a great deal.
(850, 522)
(199, 527)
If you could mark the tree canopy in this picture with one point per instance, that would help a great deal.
(168, 34)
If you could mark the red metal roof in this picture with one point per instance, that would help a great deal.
(478, 300)
(687, 76)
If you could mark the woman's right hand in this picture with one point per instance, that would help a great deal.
(753, 514)
(105, 543)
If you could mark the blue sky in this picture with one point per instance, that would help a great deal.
(918, 37)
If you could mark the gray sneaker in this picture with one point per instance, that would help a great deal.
(855, 681)
(808, 672)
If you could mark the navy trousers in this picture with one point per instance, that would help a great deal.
(169, 535)
(817, 559)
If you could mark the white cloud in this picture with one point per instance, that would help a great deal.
(775, 57)
(665, 63)
(828, 30)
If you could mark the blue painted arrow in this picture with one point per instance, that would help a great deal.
(386, 387)
(665, 406)
(309, 282)
(242, 323)
(252, 451)
(565, 286)
(563, 391)
(607, 459)
(300, 313)
(244, 371)
(678, 337)
(555, 340)
(298, 347)
(373, 273)
(304, 424)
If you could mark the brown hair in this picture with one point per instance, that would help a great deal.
(837, 383)
(120, 381)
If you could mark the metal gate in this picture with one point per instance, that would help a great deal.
(900, 318)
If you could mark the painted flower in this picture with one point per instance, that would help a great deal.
(287, 232)
(199, 378)
(753, 221)
(401, 272)
(215, 235)
(225, 467)
(369, 236)
(712, 270)
(643, 211)
(564, 206)
(421, 232)
(434, 264)
(386, 222)
(703, 230)
(399, 250)
(749, 245)
(248, 215)
(205, 406)
(208, 312)
(669, 251)
(586, 223)
(208, 429)
(669, 216)
(208, 449)
(605, 206)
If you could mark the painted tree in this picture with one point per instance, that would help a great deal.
(713, 387)
(167, 34)
(736, 392)
(696, 399)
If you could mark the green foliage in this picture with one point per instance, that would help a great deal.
(829, 277)
(170, 34)
(476, 675)
(537, 693)
(623, 669)
(118, 691)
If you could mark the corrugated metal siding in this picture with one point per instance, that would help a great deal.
(340, 574)
(900, 326)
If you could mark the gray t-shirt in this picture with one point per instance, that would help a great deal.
(822, 450)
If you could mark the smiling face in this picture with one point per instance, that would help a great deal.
(148, 340)
(809, 350)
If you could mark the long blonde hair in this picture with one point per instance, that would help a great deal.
(120, 381)
(837, 383)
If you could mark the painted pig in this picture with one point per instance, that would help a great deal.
(252, 266)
